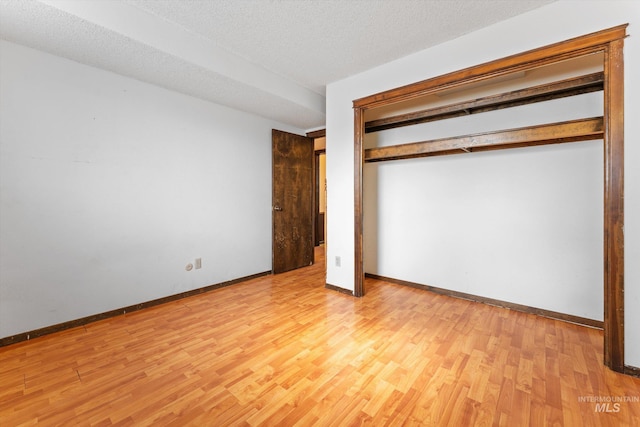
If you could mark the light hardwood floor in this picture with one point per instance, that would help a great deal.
(283, 350)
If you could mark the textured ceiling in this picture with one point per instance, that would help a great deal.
(272, 58)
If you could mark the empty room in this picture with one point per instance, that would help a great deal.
(323, 212)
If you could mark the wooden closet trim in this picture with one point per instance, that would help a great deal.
(610, 43)
(550, 54)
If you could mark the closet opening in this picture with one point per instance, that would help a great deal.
(441, 117)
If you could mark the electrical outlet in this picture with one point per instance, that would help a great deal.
(198, 263)
(338, 261)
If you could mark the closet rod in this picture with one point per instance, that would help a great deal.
(545, 92)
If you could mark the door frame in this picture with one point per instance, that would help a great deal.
(317, 186)
(320, 133)
(609, 42)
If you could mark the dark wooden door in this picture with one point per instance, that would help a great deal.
(292, 212)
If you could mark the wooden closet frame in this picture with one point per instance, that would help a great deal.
(610, 43)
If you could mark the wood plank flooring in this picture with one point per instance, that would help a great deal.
(283, 350)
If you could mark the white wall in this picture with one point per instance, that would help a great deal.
(110, 187)
(524, 227)
(500, 276)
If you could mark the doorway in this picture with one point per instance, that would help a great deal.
(320, 193)
(299, 199)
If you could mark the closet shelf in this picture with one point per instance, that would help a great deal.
(553, 133)
(559, 89)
